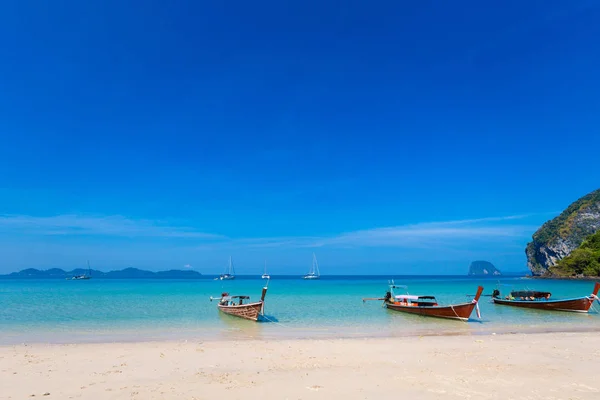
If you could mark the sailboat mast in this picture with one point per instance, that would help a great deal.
(89, 269)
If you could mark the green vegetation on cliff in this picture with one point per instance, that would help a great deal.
(557, 238)
(584, 260)
(563, 226)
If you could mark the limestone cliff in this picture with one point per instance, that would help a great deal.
(557, 238)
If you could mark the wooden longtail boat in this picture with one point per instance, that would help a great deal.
(541, 300)
(234, 305)
(427, 305)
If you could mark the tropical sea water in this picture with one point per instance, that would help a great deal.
(99, 310)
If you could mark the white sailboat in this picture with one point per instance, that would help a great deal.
(229, 272)
(83, 276)
(314, 270)
(265, 275)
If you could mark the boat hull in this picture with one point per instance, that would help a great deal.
(460, 311)
(581, 304)
(310, 277)
(250, 311)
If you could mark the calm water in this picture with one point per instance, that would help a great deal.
(107, 310)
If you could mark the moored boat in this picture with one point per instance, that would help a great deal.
(542, 300)
(229, 272)
(428, 305)
(235, 306)
(83, 276)
(265, 275)
(314, 272)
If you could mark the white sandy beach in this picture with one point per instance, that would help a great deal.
(534, 366)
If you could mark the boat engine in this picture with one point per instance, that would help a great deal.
(496, 293)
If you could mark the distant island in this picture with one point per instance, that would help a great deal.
(127, 273)
(483, 268)
(568, 245)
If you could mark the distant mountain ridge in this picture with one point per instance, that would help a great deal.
(557, 238)
(127, 273)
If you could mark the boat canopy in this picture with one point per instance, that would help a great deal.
(530, 293)
(240, 297)
(406, 297)
(411, 297)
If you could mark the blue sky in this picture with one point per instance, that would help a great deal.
(410, 137)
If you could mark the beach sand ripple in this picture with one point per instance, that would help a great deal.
(533, 366)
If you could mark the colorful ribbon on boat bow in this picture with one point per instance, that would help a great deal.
(477, 308)
(593, 296)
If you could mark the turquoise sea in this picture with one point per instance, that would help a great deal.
(99, 310)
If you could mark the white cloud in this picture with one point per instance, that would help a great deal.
(114, 225)
(414, 235)
(425, 234)
(24, 242)
(409, 234)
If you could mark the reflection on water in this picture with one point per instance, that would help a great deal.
(239, 328)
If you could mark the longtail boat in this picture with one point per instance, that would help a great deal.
(542, 300)
(428, 305)
(236, 306)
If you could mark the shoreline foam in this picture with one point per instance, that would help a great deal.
(280, 334)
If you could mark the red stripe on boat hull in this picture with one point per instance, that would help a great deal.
(459, 311)
(582, 304)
